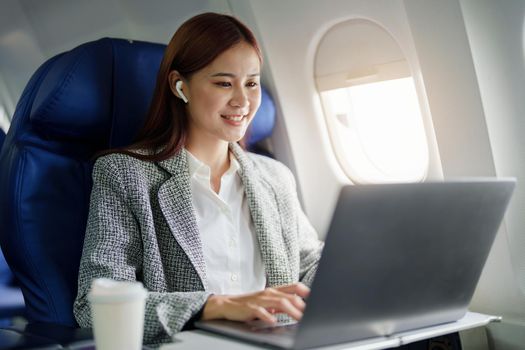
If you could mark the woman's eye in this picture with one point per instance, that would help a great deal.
(223, 84)
(252, 84)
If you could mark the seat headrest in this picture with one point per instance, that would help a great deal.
(264, 120)
(101, 85)
(79, 85)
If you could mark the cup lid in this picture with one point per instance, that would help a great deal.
(106, 290)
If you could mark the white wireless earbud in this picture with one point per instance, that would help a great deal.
(178, 87)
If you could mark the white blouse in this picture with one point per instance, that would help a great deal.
(231, 249)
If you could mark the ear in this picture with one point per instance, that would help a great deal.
(173, 77)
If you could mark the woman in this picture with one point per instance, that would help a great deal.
(210, 230)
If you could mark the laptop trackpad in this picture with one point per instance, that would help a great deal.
(282, 334)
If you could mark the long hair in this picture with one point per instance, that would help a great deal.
(196, 43)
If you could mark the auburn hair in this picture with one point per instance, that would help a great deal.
(196, 43)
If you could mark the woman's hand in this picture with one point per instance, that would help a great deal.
(260, 305)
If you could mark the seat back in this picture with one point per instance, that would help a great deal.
(2, 138)
(76, 104)
(262, 125)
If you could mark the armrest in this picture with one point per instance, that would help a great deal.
(11, 340)
(59, 334)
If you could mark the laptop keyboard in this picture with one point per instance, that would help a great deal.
(281, 328)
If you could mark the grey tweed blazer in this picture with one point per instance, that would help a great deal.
(142, 227)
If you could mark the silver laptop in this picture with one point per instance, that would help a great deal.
(397, 257)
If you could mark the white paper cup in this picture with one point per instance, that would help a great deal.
(117, 310)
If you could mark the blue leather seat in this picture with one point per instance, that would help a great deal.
(262, 125)
(2, 138)
(78, 103)
(11, 299)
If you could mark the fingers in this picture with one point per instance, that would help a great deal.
(285, 299)
(296, 288)
(262, 314)
(295, 300)
(283, 305)
(260, 305)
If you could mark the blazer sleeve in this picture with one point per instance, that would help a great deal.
(310, 247)
(113, 249)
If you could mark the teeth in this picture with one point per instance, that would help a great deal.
(233, 118)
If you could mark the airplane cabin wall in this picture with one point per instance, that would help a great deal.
(20, 54)
(451, 87)
(496, 33)
(462, 65)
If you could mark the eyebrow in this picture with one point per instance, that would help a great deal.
(231, 75)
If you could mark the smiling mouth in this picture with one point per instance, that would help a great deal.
(233, 118)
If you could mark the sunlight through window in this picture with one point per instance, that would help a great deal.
(379, 129)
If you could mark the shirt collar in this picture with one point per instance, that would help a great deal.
(199, 169)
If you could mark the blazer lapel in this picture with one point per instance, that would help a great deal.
(177, 208)
(267, 221)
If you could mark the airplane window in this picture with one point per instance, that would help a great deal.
(371, 105)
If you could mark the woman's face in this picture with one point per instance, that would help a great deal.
(224, 95)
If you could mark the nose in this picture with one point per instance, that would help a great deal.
(239, 98)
